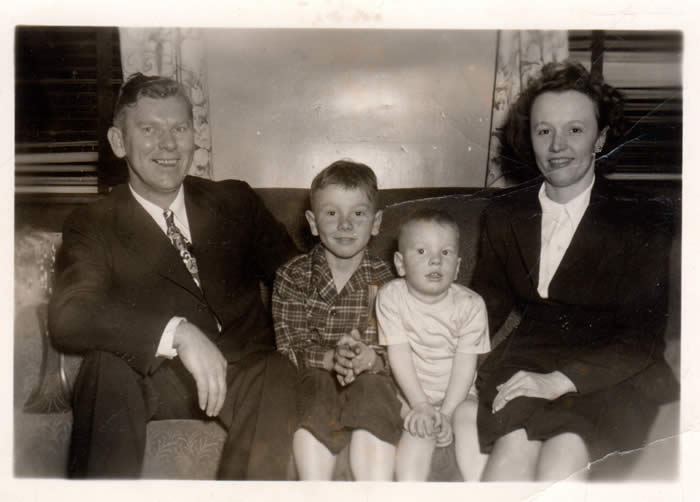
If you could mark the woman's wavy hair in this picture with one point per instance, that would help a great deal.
(515, 155)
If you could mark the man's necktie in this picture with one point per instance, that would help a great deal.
(178, 240)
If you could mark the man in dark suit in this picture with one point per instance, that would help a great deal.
(157, 285)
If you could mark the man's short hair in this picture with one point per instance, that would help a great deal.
(348, 175)
(139, 86)
(429, 215)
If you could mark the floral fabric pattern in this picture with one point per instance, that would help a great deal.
(521, 54)
(177, 53)
(35, 252)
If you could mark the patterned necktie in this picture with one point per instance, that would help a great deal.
(178, 240)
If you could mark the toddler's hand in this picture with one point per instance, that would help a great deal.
(444, 435)
(423, 420)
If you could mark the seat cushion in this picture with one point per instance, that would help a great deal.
(183, 449)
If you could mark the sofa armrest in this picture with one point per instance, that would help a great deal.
(53, 391)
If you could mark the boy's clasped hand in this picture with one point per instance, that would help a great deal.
(352, 357)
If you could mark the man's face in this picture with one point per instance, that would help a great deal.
(157, 138)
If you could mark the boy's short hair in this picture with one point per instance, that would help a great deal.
(139, 86)
(429, 215)
(349, 175)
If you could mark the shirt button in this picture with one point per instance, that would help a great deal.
(333, 312)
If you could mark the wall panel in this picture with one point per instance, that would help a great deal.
(414, 105)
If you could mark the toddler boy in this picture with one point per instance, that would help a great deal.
(434, 330)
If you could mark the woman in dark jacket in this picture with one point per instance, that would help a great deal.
(586, 265)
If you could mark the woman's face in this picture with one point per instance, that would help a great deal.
(565, 136)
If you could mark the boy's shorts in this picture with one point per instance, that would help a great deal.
(332, 412)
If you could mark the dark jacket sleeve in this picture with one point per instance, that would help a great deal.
(270, 244)
(84, 312)
(490, 277)
(635, 341)
(107, 298)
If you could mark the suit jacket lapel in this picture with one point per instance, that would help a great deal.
(147, 242)
(589, 244)
(202, 213)
(526, 224)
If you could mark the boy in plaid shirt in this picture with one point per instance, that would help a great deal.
(321, 304)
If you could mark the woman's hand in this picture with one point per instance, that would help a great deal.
(526, 383)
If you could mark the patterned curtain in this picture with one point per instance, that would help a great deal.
(177, 53)
(521, 54)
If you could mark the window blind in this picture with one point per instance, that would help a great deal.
(647, 67)
(66, 80)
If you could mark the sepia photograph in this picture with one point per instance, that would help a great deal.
(350, 251)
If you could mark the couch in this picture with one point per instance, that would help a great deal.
(190, 449)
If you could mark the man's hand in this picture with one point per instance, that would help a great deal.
(205, 362)
(423, 420)
(343, 357)
(526, 383)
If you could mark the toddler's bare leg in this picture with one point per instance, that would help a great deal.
(413, 457)
(313, 460)
(470, 460)
(371, 459)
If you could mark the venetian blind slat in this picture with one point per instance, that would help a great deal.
(59, 78)
(646, 67)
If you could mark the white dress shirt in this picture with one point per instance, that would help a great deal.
(559, 223)
(165, 347)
